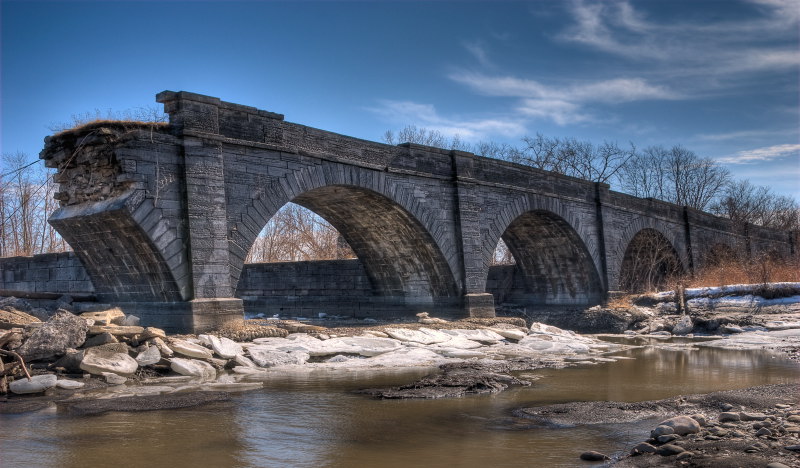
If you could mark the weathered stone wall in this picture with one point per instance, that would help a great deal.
(336, 287)
(167, 214)
(55, 273)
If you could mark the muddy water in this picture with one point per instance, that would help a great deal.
(313, 420)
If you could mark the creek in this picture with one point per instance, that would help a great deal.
(313, 419)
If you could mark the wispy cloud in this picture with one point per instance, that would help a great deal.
(563, 104)
(768, 153)
(745, 135)
(478, 50)
(426, 115)
(690, 48)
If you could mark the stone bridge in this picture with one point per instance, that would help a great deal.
(162, 216)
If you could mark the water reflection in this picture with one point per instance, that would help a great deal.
(312, 419)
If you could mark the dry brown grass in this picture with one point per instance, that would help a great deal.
(127, 124)
(755, 271)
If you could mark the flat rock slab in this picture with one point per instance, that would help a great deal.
(118, 363)
(481, 335)
(270, 357)
(193, 367)
(118, 330)
(142, 403)
(422, 336)
(149, 356)
(190, 349)
(37, 384)
(224, 347)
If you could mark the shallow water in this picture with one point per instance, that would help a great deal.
(313, 420)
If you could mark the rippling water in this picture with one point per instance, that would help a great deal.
(313, 420)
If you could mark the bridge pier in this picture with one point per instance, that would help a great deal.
(479, 305)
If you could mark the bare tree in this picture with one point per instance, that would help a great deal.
(744, 202)
(572, 157)
(649, 263)
(297, 234)
(676, 175)
(26, 202)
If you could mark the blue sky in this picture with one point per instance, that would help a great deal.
(718, 77)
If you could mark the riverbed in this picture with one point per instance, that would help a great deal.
(314, 419)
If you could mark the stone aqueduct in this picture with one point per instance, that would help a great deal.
(163, 216)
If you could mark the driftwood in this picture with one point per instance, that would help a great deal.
(19, 359)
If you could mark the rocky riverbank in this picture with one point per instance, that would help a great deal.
(753, 427)
(104, 354)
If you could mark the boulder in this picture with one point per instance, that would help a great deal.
(69, 384)
(104, 317)
(190, 349)
(13, 318)
(752, 416)
(98, 362)
(224, 347)
(37, 384)
(644, 447)
(510, 333)
(152, 332)
(661, 430)
(594, 456)
(268, 357)
(681, 425)
(244, 361)
(729, 417)
(130, 321)
(669, 450)
(165, 350)
(151, 355)
(193, 367)
(63, 331)
(101, 339)
(684, 326)
(113, 379)
(70, 361)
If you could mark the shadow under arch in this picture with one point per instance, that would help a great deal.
(650, 262)
(553, 265)
(401, 259)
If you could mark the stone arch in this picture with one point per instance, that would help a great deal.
(581, 232)
(129, 266)
(555, 252)
(382, 223)
(650, 261)
(674, 235)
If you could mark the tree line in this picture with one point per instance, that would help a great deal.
(676, 175)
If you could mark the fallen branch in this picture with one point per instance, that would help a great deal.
(18, 359)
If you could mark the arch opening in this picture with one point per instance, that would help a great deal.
(379, 259)
(650, 263)
(551, 265)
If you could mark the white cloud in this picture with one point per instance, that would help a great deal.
(425, 115)
(691, 49)
(567, 103)
(478, 50)
(745, 135)
(768, 153)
